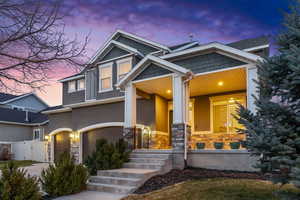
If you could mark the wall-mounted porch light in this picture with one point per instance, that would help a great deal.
(46, 137)
(220, 83)
(169, 91)
(72, 136)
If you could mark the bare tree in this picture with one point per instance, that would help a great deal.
(33, 42)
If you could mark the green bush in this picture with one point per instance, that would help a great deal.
(107, 156)
(16, 185)
(64, 177)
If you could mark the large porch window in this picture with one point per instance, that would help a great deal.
(223, 125)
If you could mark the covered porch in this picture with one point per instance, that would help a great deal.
(202, 108)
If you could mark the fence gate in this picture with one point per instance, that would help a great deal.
(30, 150)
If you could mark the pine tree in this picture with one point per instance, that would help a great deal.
(273, 131)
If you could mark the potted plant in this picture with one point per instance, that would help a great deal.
(235, 145)
(243, 143)
(218, 145)
(200, 145)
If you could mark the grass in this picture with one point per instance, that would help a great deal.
(19, 163)
(218, 189)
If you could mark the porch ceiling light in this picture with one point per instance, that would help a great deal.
(169, 91)
(220, 83)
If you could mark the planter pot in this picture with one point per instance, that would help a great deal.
(200, 145)
(235, 145)
(243, 144)
(218, 145)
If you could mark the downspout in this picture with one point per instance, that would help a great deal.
(190, 77)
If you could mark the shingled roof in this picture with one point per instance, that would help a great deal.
(17, 116)
(6, 97)
(250, 42)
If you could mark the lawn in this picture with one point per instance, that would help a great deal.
(217, 189)
(19, 163)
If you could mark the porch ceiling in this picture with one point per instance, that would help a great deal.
(232, 80)
(161, 86)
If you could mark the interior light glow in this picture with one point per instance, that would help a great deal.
(169, 91)
(220, 83)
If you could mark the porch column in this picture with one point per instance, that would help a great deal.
(180, 119)
(251, 87)
(130, 115)
(51, 157)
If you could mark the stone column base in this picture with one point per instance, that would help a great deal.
(128, 135)
(178, 134)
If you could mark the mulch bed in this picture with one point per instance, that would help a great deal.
(177, 176)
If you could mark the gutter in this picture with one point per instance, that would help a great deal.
(24, 124)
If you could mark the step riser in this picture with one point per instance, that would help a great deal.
(114, 181)
(142, 166)
(145, 160)
(157, 156)
(120, 174)
(109, 189)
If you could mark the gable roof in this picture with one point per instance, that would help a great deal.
(16, 116)
(249, 43)
(120, 45)
(156, 60)
(218, 47)
(128, 35)
(6, 97)
(23, 96)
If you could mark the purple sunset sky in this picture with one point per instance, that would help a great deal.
(167, 22)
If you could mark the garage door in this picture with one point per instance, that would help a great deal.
(111, 134)
(62, 143)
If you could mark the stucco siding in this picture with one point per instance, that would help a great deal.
(239, 160)
(207, 62)
(13, 133)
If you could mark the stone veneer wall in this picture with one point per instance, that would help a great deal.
(178, 134)
(128, 134)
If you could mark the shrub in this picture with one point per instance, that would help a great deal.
(5, 153)
(15, 184)
(64, 177)
(107, 156)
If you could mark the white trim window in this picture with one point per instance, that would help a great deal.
(124, 66)
(71, 86)
(37, 134)
(81, 84)
(105, 77)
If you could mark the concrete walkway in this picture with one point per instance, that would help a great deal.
(92, 195)
(36, 170)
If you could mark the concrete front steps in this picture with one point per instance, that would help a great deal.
(143, 165)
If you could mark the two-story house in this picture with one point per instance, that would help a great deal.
(20, 117)
(177, 99)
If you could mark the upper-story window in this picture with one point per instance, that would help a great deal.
(105, 77)
(124, 66)
(72, 86)
(81, 84)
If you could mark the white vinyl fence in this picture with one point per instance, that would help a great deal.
(30, 150)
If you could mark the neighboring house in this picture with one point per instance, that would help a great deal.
(20, 117)
(179, 99)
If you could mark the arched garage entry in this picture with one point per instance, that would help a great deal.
(60, 142)
(112, 132)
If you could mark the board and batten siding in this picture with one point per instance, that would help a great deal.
(91, 84)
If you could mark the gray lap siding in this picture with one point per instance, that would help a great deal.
(83, 117)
